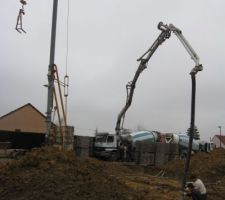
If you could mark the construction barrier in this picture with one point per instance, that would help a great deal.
(155, 154)
(65, 136)
(83, 146)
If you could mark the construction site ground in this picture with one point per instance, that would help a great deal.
(48, 173)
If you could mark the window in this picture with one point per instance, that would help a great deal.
(101, 138)
(110, 139)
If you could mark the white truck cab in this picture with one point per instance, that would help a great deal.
(105, 145)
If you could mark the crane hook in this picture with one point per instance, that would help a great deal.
(19, 22)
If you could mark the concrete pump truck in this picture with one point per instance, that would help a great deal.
(108, 145)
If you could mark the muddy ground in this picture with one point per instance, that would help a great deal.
(48, 173)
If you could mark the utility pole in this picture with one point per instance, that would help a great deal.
(220, 135)
(51, 71)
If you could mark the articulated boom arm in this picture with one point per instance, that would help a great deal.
(187, 46)
(165, 34)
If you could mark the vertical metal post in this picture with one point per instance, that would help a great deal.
(192, 128)
(51, 70)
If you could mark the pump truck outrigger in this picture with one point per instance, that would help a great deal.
(113, 149)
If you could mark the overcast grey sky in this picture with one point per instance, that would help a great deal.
(105, 39)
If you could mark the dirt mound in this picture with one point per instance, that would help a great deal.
(47, 173)
(210, 166)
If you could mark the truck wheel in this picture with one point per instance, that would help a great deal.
(114, 156)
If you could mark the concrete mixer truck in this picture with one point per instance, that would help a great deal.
(112, 147)
(183, 141)
(109, 145)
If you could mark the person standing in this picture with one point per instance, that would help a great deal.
(125, 153)
(199, 185)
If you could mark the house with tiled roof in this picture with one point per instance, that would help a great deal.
(219, 140)
(24, 127)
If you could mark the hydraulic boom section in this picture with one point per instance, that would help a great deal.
(165, 34)
(198, 67)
